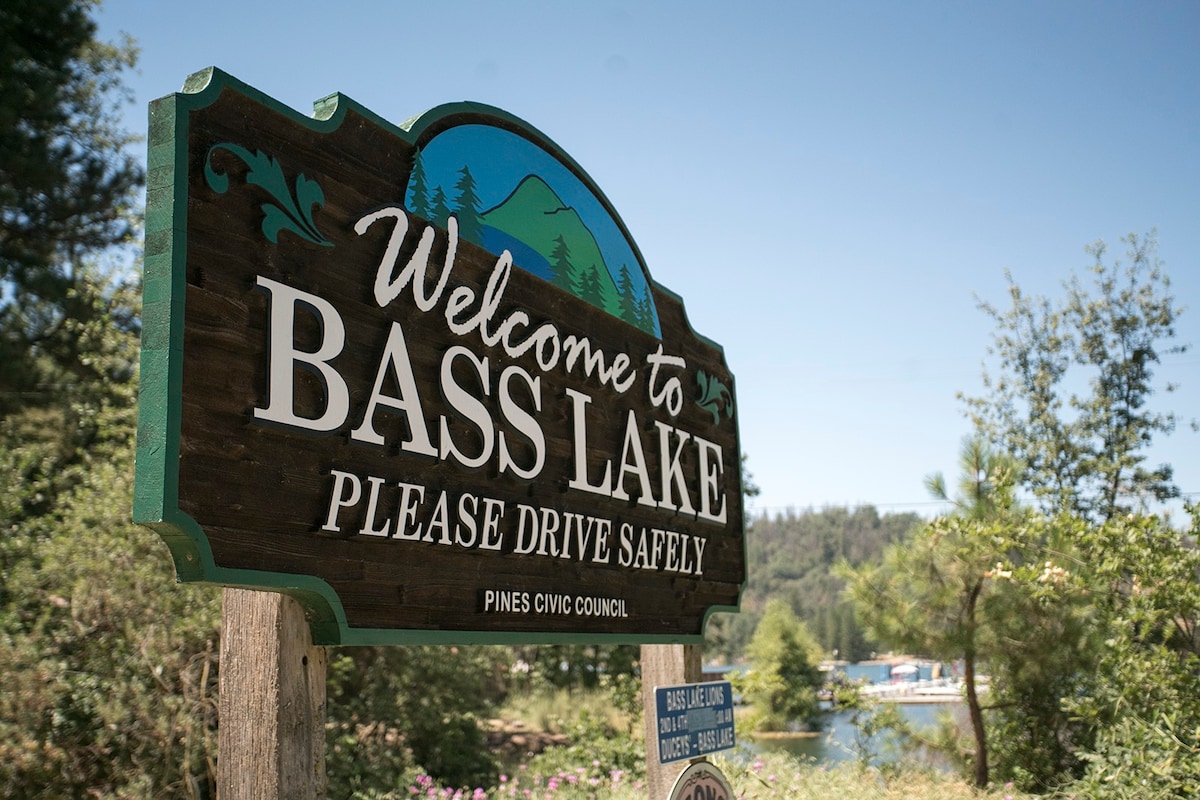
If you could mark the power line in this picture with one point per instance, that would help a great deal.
(798, 508)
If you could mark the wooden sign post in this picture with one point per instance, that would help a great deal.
(664, 665)
(418, 378)
(271, 740)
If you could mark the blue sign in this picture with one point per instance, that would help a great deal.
(694, 720)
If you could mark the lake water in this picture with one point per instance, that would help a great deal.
(836, 742)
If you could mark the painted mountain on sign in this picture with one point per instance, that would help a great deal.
(552, 222)
(533, 217)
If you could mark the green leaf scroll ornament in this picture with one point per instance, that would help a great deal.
(293, 213)
(714, 396)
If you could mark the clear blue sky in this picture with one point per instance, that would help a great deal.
(827, 185)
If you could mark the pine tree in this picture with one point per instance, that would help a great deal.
(468, 208)
(561, 269)
(66, 182)
(418, 191)
(589, 288)
(645, 314)
(784, 676)
(610, 298)
(628, 296)
(439, 211)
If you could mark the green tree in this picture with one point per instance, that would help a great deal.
(68, 345)
(985, 485)
(66, 182)
(587, 286)
(645, 312)
(1124, 329)
(1142, 702)
(1084, 453)
(561, 269)
(468, 207)
(610, 299)
(574, 666)
(439, 211)
(628, 296)
(81, 403)
(791, 555)
(1047, 642)
(951, 592)
(928, 596)
(113, 666)
(781, 684)
(418, 192)
(1044, 621)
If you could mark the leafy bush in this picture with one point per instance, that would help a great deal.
(1143, 699)
(394, 710)
(110, 667)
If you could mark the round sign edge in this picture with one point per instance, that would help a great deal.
(701, 765)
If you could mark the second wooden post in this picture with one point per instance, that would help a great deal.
(663, 665)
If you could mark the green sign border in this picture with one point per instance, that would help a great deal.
(156, 486)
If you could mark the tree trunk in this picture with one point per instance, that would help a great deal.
(973, 708)
(981, 756)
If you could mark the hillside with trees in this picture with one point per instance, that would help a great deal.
(791, 557)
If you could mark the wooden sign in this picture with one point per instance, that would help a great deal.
(419, 378)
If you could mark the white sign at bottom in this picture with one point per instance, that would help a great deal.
(701, 781)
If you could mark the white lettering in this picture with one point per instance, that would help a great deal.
(493, 330)
(672, 393)
(411, 496)
(283, 357)
(338, 499)
(368, 528)
(710, 481)
(671, 470)
(395, 360)
(579, 403)
(527, 530)
(523, 421)
(387, 289)
(633, 460)
(468, 406)
(493, 512)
